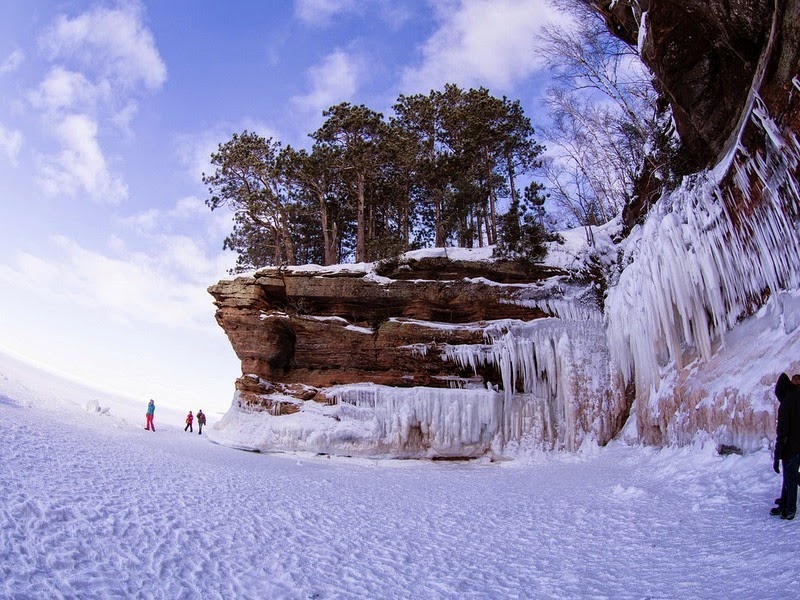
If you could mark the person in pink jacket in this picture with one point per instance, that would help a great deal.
(189, 420)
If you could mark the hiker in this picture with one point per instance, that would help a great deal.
(151, 409)
(787, 445)
(189, 419)
(201, 420)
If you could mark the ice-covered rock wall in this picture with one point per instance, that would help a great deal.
(704, 317)
(446, 353)
(556, 381)
(518, 364)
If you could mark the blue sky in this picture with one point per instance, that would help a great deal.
(108, 113)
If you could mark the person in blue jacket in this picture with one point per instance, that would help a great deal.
(151, 409)
(787, 446)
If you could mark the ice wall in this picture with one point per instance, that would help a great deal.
(704, 260)
(423, 421)
(555, 380)
(553, 391)
(375, 421)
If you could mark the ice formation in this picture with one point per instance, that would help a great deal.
(535, 364)
(712, 271)
(552, 392)
(423, 421)
(704, 260)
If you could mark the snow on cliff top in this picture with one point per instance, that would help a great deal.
(570, 253)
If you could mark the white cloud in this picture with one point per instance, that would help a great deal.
(80, 166)
(319, 13)
(12, 62)
(10, 143)
(165, 287)
(63, 89)
(113, 42)
(481, 42)
(102, 59)
(334, 80)
(188, 208)
(123, 117)
(188, 215)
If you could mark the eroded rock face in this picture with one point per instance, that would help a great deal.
(321, 329)
(705, 55)
(371, 356)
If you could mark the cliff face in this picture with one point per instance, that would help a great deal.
(331, 327)
(707, 56)
(449, 343)
(718, 256)
(457, 356)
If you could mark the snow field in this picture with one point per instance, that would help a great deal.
(95, 508)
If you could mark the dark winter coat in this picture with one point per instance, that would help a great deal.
(787, 439)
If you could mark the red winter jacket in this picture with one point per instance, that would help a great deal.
(189, 418)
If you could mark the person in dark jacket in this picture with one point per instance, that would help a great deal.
(201, 420)
(787, 445)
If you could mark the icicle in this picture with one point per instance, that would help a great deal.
(449, 420)
(642, 37)
(546, 368)
(762, 118)
(696, 269)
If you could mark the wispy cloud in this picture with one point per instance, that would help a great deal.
(12, 62)
(481, 42)
(102, 60)
(63, 89)
(323, 13)
(80, 166)
(165, 286)
(319, 13)
(10, 143)
(113, 43)
(188, 213)
(335, 79)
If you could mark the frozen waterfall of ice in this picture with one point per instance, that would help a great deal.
(697, 266)
(554, 375)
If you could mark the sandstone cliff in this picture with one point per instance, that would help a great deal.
(440, 356)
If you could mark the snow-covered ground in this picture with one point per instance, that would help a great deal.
(94, 506)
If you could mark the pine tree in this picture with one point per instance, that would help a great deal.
(522, 234)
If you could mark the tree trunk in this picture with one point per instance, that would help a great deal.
(361, 240)
(287, 238)
(491, 221)
(328, 244)
(405, 228)
(437, 203)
